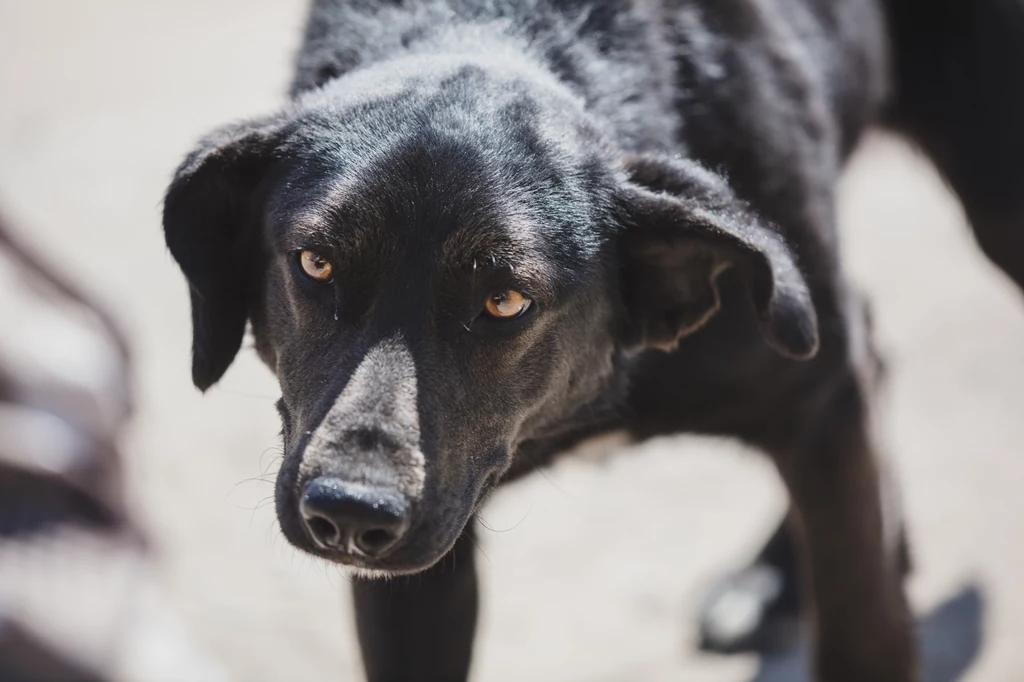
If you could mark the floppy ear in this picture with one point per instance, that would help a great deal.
(683, 228)
(212, 223)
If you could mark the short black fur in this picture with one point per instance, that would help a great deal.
(658, 178)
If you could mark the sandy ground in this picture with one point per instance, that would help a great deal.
(99, 100)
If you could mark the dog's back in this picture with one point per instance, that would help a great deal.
(653, 69)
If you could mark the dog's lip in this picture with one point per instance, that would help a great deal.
(383, 565)
(359, 563)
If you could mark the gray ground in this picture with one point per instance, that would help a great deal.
(596, 567)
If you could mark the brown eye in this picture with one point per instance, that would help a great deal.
(316, 266)
(507, 305)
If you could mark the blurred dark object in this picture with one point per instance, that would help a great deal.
(64, 395)
(78, 597)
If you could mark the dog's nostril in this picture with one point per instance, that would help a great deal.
(324, 531)
(374, 541)
(353, 517)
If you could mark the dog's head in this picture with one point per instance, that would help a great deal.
(439, 267)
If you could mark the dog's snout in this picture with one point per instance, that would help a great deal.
(353, 517)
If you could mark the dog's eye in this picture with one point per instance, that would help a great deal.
(507, 305)
(316, 266)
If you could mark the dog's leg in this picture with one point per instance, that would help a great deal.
(844, 512)
(845, 515)
(759, 608)
(420, 628)
(960, 97)
(814, 418)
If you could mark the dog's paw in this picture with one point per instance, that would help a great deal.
(755, 610)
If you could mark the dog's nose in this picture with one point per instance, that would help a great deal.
(353, 517)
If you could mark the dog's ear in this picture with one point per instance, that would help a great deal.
(212, 220)
(683, 227)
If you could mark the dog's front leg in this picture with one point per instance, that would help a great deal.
(420, 628)
(863, 624)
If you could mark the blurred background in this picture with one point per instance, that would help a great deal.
(100, 100)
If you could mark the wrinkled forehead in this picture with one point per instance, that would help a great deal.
(454, 202)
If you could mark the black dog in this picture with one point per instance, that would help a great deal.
(484, 230)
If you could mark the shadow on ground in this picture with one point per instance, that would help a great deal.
(950, 638)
